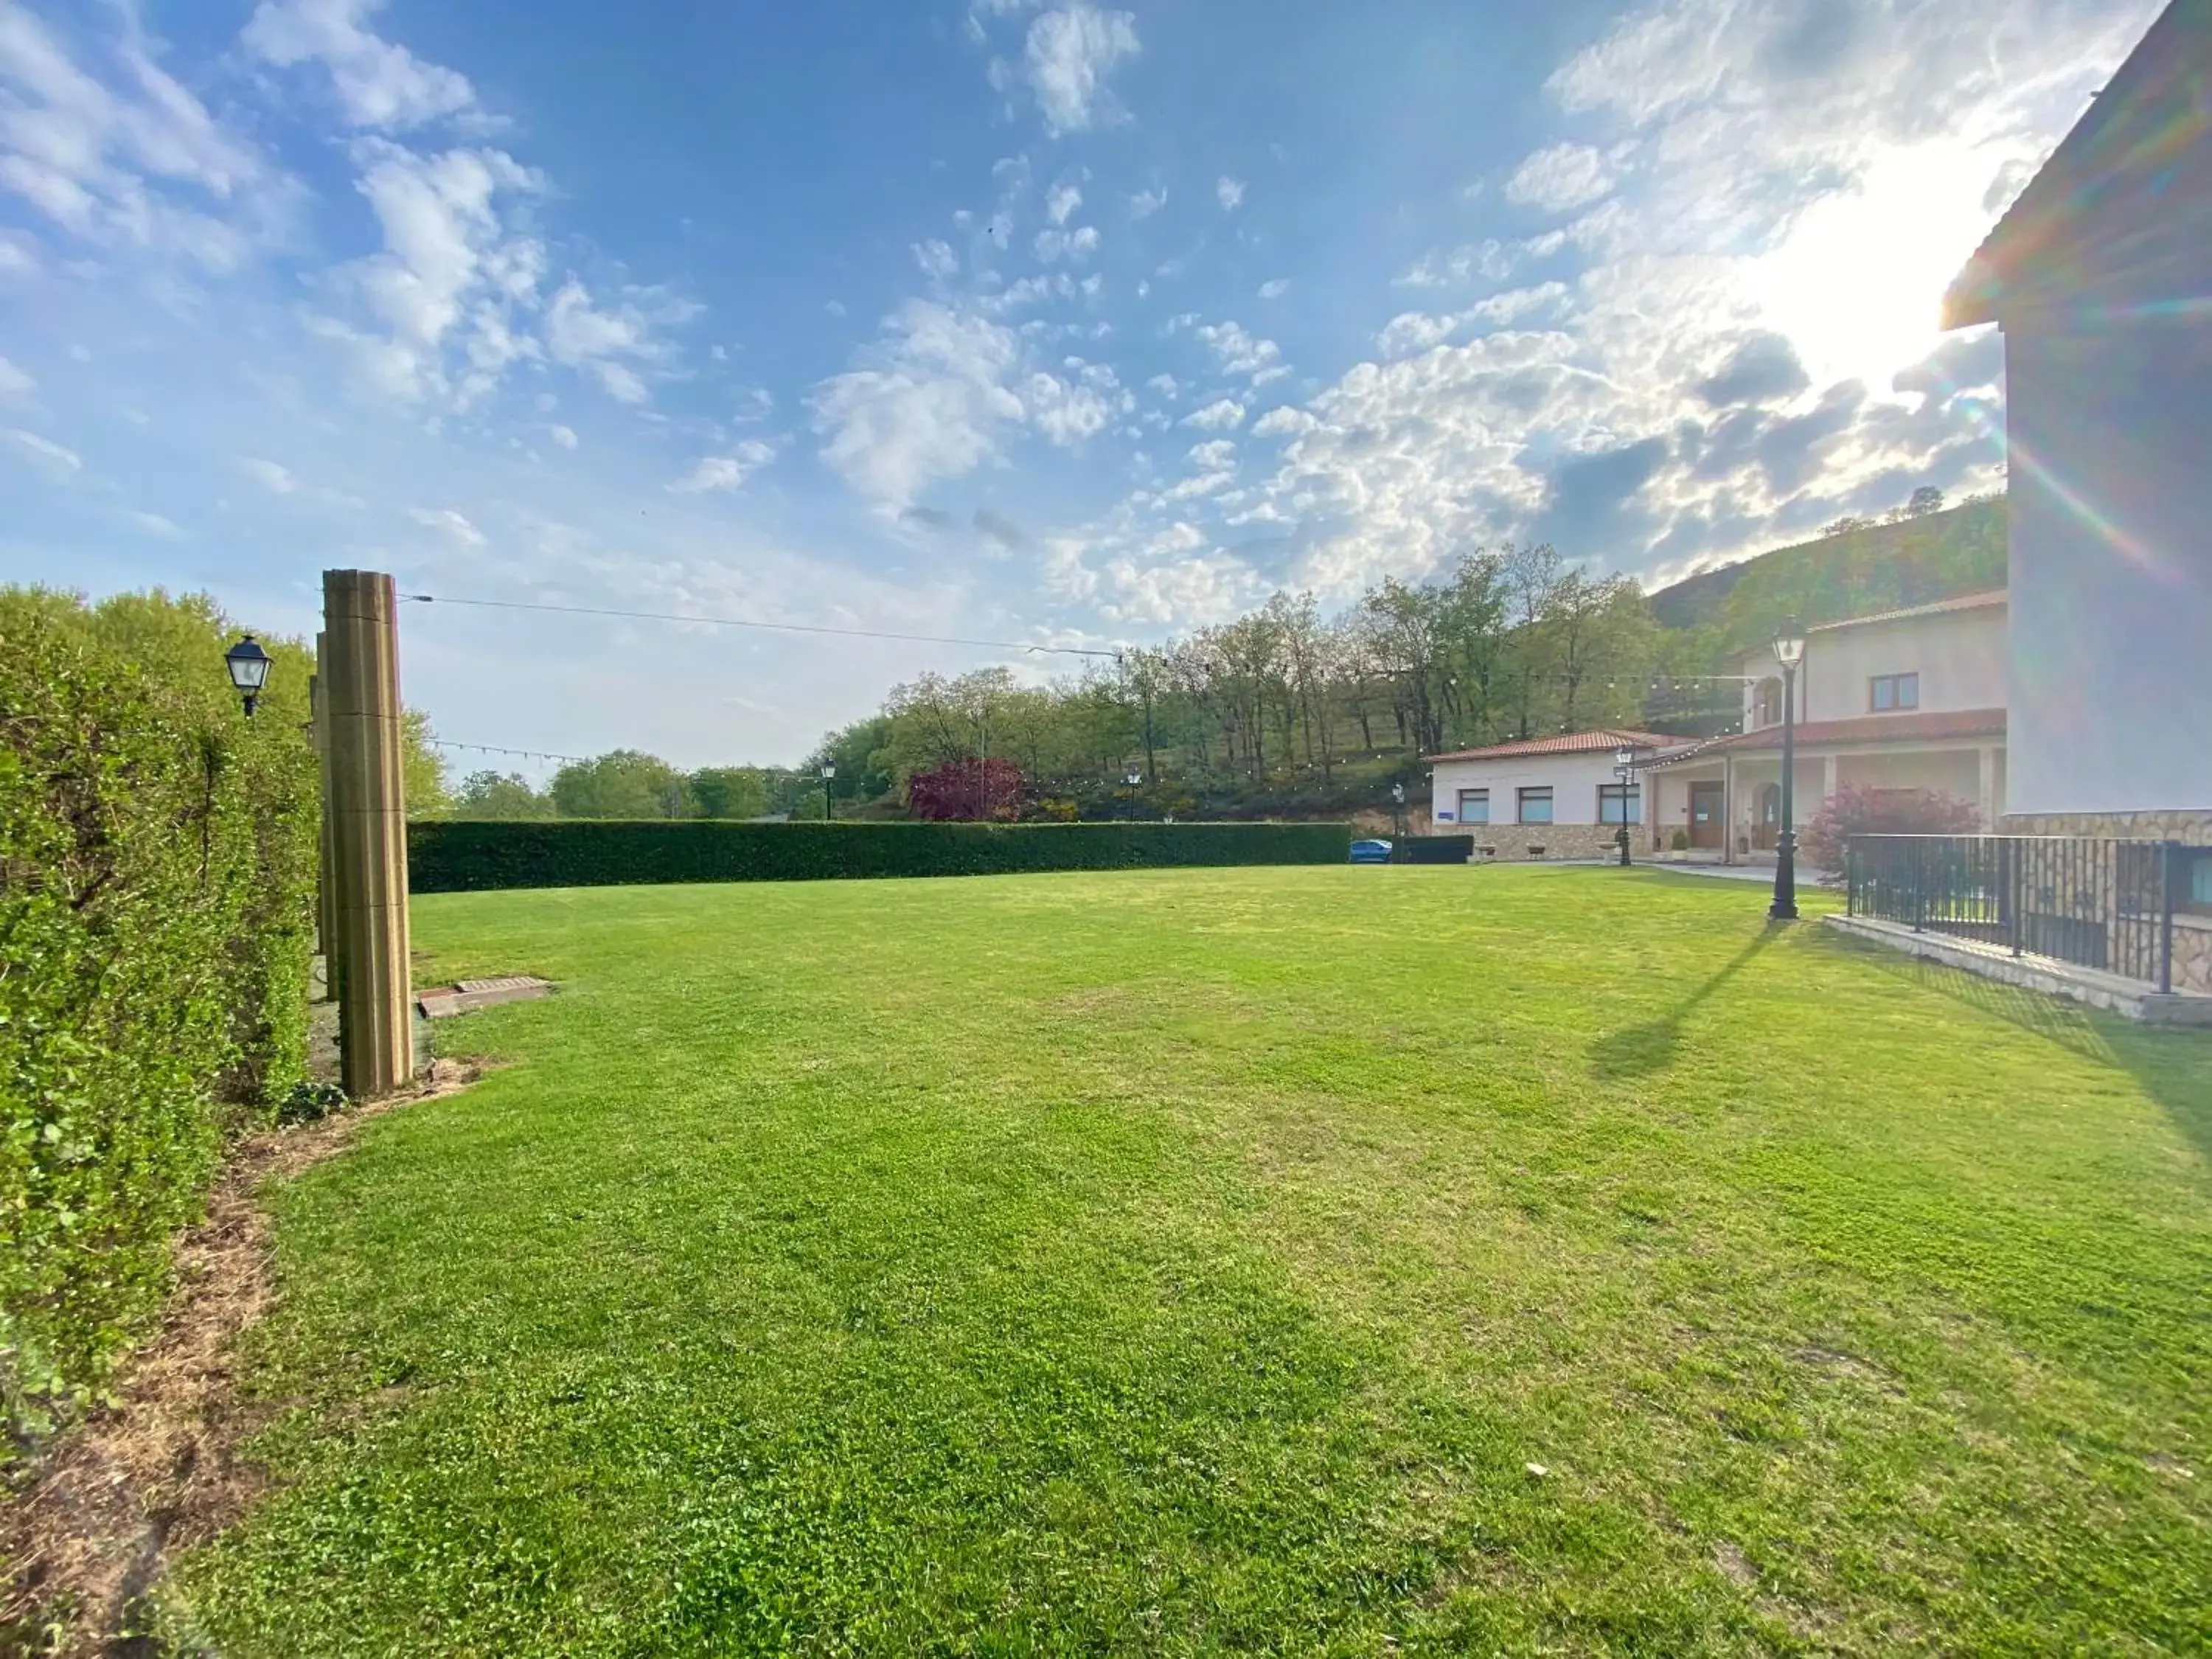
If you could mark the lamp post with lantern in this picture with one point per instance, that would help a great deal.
(249, 669)
(1623, 768)
(1398, 811)
(1790, 652)
(829, 771)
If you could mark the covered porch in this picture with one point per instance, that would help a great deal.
(1726, 800)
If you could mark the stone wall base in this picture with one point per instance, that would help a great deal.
(2193, 828)
(1525, 843)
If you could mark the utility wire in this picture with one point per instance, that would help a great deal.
(494, 749)
(733, 622)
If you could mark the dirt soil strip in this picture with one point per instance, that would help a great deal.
(90, 1526)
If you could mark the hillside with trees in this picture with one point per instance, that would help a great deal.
(1290, 712)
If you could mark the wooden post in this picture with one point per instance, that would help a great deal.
(365, 810)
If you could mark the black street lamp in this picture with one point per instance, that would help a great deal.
(829, 771)
(1790, 652)
(1135, 778)
(1398, 810)
(1623, 768)
(249, 669)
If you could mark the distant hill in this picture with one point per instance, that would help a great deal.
(1855, 572)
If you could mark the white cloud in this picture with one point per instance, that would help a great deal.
(1166, 384)
(1069, 53)
(446, 520)
(275, 479)
(449, 269)
(1239, 352)
(155, 525)
(936, 258)
(1075, 245)
(139, 164)
(725, 472)
(1801, 176)
(379, 84)
(1146, 203)
(928, 402)
(1061, 200)
(564, 436)
(612, 345)
(1222, 415)
(1275, 288)
(1067, 413)
(1214, 456)
(1285, 423)
(1559, 177)
(15, 382)
(44, 454)
(1414, 331)
(1230, 193)
(1488, 261)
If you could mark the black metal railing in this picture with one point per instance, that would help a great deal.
(2102, 904)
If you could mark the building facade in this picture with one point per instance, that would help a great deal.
(1910, 699)
(2097, 276)
(1544, 797)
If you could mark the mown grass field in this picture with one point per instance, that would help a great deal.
(1197, 1262)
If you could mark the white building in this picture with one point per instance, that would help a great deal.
(2097, 275)
(1910, 699)
(1543, 798)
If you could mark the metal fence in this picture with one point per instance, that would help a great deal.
(2102, 904)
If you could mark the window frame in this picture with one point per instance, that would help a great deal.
(1896, 685)
(1631, 797)
(1482, 796)
(1523, 795)
(2194, 898)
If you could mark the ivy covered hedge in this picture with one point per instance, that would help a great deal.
(157, 864)
(458, 857)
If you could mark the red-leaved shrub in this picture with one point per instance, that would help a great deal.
(1859, 810)
(967, 789)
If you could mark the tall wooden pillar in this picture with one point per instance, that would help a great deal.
(365, 809)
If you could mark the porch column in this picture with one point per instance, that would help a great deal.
(1987, 786)
(1728, 807)
(1828, 780)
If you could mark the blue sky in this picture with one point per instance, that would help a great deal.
(1033, 320)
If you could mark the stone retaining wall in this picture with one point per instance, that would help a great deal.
(1509, 843)
(2193, 828)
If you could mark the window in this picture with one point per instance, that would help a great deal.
(1535, 806)
(1886, 693)
(2197, 883)
(1768, 708)
(1619, 803)
(1474, 806)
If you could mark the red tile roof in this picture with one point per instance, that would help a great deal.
(1573, 743)
(1993, 599)
(1935, 727)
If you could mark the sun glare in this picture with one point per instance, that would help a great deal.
(1858, 281)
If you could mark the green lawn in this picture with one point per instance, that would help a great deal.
(1196, 1262)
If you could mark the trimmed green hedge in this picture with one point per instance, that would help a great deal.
(157, 865)
(450, 857)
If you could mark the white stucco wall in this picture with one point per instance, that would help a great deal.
(1572, 779)
(1960, 657)
(2111, 568)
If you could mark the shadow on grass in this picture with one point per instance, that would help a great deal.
(2174, 1067)
(1642, 1049)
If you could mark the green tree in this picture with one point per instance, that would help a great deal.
(730, 792)
(422, 769)
(499, 796)
(622, 783)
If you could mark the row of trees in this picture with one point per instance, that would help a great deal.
(1287, 709)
